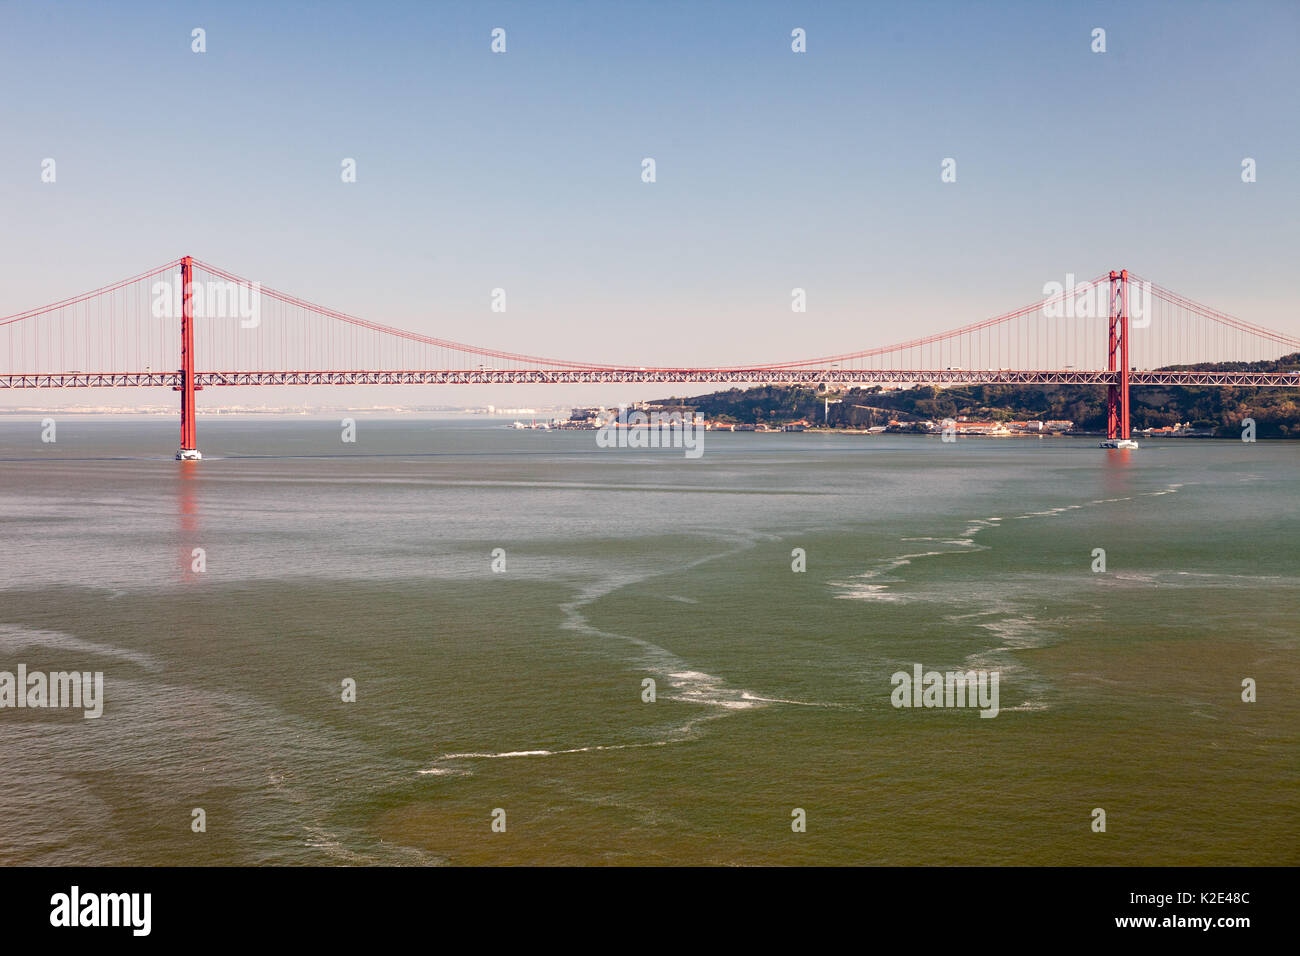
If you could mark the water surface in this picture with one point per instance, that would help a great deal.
(522, 690)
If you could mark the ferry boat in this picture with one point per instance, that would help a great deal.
(1118, 443)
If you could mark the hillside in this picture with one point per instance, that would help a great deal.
(1276, 410)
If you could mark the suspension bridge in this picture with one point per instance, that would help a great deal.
(1116, 330)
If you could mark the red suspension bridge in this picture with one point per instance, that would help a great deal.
(1116, 330)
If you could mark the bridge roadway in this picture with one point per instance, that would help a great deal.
(571, 376)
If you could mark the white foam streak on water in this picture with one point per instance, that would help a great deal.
(684, 732)
(683, 682)
(853, 589)
(1014, 631)
(14, 638)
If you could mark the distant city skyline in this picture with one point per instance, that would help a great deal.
(522, 170)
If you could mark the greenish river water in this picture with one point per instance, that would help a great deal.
(521, 690)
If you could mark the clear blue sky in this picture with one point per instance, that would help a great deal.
(775, 169)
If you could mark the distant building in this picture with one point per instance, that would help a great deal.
(1175, 430)
(967, 427)
(686, 411)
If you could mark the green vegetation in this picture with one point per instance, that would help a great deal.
(1276, 410)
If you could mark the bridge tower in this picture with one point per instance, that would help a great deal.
(1117, 409)
(189, 446)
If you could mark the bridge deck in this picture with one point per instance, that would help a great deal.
(567, 376)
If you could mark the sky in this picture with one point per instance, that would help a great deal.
(774, 169)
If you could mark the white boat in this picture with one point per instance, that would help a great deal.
(189, 454)
(1118, 443)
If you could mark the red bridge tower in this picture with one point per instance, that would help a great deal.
(189, 445)
(1117, 417)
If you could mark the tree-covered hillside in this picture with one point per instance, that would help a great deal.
(1276, 410)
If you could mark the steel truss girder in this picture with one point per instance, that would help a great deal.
(564, 376)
